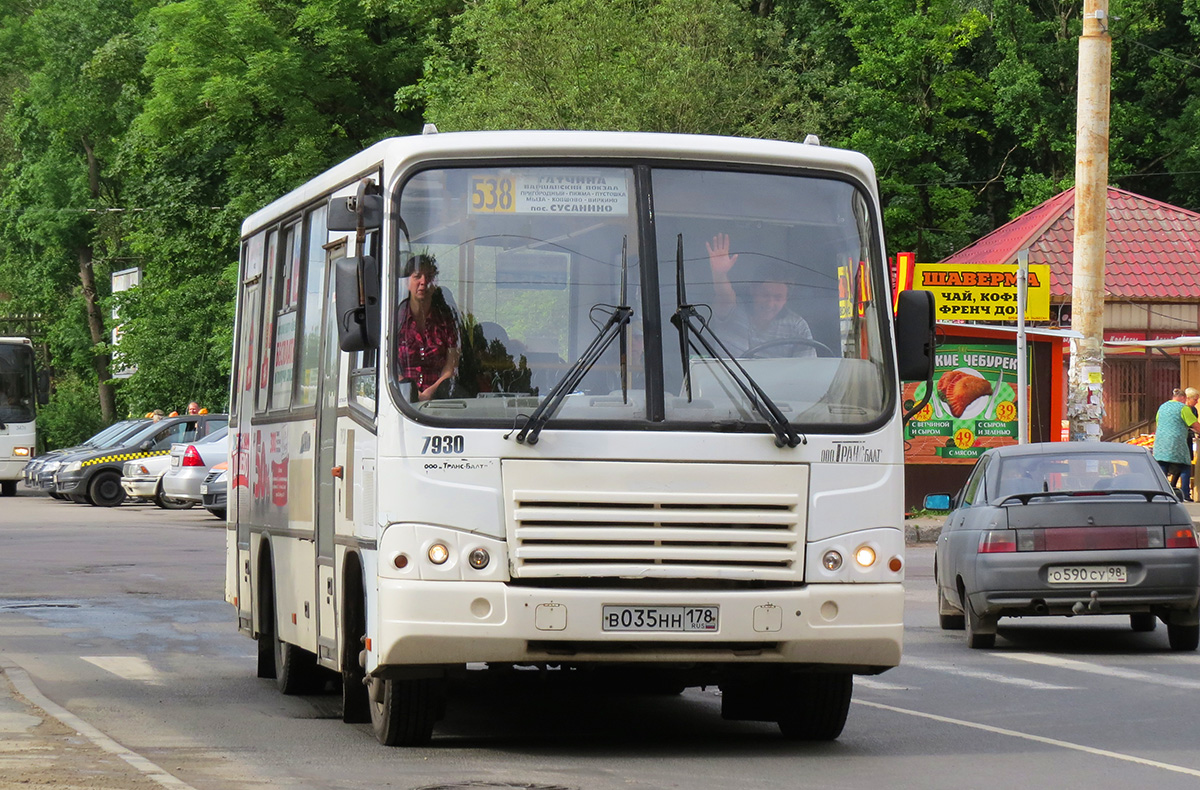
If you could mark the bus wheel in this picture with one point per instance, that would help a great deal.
(105, 489)
(8, 487)
(266, 627)
(403, 712)
(816, 706)
(356, 703)
(295, 668)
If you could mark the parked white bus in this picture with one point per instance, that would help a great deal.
(620, 405)
(18, 404)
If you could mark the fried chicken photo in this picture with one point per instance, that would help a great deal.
(958, 389)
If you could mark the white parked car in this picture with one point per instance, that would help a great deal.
(190, 464)
(142, 479)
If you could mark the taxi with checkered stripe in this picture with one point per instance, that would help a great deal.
(95, 478)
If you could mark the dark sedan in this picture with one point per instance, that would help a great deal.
(1068, 528)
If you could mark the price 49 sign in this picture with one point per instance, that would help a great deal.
(973, 405)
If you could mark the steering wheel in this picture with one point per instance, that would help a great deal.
(820, 347)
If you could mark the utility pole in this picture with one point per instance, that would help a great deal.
(1085, 396)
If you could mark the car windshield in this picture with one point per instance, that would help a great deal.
(1093, 471)
(517, 282)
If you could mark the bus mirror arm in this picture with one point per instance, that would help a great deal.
(43, 387)
(359, 212)
(916, 327)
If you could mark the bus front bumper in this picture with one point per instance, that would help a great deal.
(12, 470)
(855, 627)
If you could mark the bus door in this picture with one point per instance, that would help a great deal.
(325, 486)
(242, 405)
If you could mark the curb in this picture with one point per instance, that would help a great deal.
(25, 687)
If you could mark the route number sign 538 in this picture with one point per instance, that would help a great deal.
(492, 195)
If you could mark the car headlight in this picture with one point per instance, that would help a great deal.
(222, 478)
(74, 466)
(52, 465)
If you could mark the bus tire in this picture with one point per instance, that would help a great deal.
(105, 489)
(816, 706)
(295, 669)
(404, 711)
(266, 620)
(356, 702)
(8, 487)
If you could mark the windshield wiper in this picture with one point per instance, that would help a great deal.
(612, 328)
(692, 328)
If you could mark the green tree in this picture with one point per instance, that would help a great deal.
(702, 66)
(247, 99)
(75, 72)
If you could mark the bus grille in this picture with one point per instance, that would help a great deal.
(646, 520)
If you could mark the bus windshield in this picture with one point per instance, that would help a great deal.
(17, 384)
(742, 287)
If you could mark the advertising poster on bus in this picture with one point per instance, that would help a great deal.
(973, 405)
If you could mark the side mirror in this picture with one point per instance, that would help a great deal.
(915, 327)
(147, 444)
(344, 212)
(937, 502)
(357, 303)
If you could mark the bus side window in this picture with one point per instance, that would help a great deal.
(364, 378)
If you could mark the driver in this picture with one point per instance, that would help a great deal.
(765, 319)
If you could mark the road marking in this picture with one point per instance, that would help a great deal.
(979, 674)
(128, 667)
(1078, 747)
(1098, 669)
(879, 685)
(23, 684)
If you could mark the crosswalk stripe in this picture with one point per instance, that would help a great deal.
(128, 667)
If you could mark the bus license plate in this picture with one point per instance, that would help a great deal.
(660, 618)
(1086, 574)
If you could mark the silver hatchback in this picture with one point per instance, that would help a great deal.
(1068, 528)
(190, 464)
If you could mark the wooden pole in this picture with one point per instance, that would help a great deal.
(1085, 397)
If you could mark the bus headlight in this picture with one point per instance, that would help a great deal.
(832, 560)
(438, 554)
(479, 559)
(865, 556)
(22, 452)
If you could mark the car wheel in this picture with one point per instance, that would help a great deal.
(219, 512)
(79, 499)
(1183, 637)
(170, 503)
(404, 711)
(105, 489)
(1143, 622)
(948, 618)
(981, 631)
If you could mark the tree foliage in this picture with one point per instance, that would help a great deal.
(141, 132)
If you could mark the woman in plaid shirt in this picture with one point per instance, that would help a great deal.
(428, 333)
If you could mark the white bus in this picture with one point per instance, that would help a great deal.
(18, 405)
(619, 405)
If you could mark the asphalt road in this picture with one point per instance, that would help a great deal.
(118, 616)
